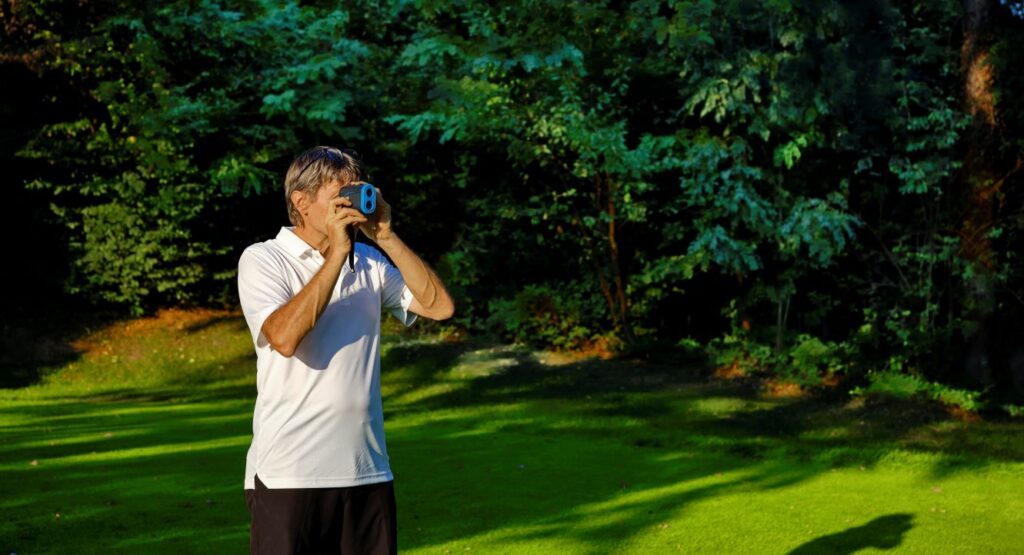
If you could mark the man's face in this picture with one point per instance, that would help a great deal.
(317, 218)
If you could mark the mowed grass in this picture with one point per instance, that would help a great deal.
(138, 444)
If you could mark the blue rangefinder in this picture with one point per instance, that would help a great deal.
(363, 197)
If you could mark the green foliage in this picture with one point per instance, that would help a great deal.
(121, 257)
(745, 356)
(541, 316)
(189, 109)
(905, 385)
(797, 162)
(919, 303)
(810, 360)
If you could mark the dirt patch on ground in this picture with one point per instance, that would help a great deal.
(963, 414)
(783, 390)
(729, 372)
(178, 319)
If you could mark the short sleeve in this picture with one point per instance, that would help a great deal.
(395, 295)
(262, 289)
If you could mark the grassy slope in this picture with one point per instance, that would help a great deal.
(139, 444)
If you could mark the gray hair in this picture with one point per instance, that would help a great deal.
(314, 167)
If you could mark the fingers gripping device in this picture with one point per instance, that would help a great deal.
(364, 199)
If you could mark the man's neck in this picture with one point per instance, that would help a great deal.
(316, 240)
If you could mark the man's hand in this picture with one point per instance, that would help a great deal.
(379, 224)
(340, 215)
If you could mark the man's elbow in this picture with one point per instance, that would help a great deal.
(445, 312)
(286, 348)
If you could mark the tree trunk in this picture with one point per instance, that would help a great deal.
(616, 264)
(980, 183)
(605, 258)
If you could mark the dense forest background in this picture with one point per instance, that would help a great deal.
(805, 188)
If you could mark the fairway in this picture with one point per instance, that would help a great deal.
(136, 447)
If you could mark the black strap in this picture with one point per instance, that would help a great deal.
(352, 252)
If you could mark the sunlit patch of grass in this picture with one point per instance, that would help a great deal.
(174, 348)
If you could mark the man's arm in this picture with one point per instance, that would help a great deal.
(286, 326)
(430, 298)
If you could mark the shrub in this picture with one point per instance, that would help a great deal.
(904, 386)
(540, 316)
(810, 361)
(739, 353)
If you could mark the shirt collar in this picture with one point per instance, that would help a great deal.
(294, 244)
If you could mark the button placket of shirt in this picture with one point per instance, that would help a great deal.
(318, 260)
(341, 277)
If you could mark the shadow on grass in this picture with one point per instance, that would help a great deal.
(33, 341)
(168, 478)
(517, 488)
(210, 322)
(884, 532)
(592, 451)
(121, 476)
(31, 344)
(230, 379)
(826, 427)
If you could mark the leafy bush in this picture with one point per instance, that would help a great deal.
(1015, 411)
(689, 346)
(810, 360)
(124, 260)
(905, 386)
(540, 316)
(739, 353)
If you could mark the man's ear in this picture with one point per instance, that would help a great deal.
(301, 201)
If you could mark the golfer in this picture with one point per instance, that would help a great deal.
(317, 474)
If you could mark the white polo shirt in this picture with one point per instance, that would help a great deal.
(318, 420)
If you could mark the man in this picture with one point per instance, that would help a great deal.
(317, 474)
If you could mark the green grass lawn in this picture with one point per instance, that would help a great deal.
(138, 443)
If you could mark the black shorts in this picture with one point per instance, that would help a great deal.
(347, 520)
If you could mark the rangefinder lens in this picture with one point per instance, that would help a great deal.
(363, 197)
(369, 195)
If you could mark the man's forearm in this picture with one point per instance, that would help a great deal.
(419, 278)
(286, 326)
